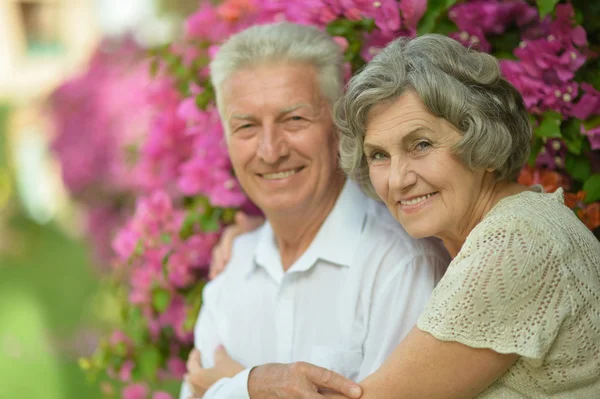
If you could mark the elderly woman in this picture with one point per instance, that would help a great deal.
(433, 130)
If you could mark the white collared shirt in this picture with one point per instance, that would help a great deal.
(344, 304)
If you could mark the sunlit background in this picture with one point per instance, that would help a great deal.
(52, 305)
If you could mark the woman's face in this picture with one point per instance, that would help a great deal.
(411, 166)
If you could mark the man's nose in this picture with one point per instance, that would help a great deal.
(402, 176)
(272, 145)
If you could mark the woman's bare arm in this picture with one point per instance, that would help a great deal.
(424, 367)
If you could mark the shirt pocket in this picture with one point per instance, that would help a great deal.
(342, 361)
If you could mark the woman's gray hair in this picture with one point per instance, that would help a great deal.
(281, 42)
(461, 85)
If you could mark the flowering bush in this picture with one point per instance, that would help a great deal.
(174, 161)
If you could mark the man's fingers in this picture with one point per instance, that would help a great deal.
(324, 378)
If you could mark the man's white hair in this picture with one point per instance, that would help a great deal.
(281, 42)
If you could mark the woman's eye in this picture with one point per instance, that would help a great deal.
(376, 156)
(423, 145)
(296, 118)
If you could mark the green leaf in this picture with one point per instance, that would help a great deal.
(161, 299)
(550, 126)
(592, 122)
(135, 327)
(592, 188)
(165, 238)
(203, 99)
(149, 362)
(578, 167)
(209, 222)
(572, 136)
(187, 227)
(535, 150)
(435, 9)
(546, 6)
(339, 27)
(139, 248)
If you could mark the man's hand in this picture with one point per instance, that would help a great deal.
(222, 251)
(298, 381)
(201, 379)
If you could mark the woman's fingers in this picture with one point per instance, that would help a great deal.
(222, 251)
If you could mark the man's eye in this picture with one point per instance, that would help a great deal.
(245, 126)
(295, 118)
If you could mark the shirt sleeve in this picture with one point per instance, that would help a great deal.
(230, 388)
(504, 291)
(396, 305)
(206, 340)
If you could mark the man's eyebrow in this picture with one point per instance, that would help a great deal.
(244, 117)
(293, 108)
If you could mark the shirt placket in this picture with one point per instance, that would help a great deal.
(285, 320)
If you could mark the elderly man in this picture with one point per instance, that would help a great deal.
(330, 278)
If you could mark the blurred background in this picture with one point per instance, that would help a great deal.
(50, 287)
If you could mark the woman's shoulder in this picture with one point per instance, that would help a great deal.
(536, 217)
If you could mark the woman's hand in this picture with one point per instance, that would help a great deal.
(298, 381)
(222, 251)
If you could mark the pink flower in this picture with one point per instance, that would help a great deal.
(176, 367)
(225, 191)
(126, 369)
(125, 242)
(412, 12)
(374, 42)
(175, 317)
(593, 135)
(552, 155)
(161, 395)
(589, 104)
(135, 391)
(118, 337)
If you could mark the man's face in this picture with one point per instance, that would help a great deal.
(280, 136)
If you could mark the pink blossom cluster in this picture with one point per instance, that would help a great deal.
(478, 19)
(98, 116)
(141, 391)
(157, 258)
(548, 57)
(391, 17)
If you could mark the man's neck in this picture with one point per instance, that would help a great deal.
(295, 231)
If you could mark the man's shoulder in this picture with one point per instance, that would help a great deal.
(241, 260)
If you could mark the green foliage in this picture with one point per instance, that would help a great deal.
(434, 16)
(161, 299)
(149, 360)
(592, 188)
(549, 126)
(578, 167)
(546, 6)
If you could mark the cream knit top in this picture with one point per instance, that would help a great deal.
(527, 281)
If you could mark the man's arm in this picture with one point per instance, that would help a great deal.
(206, 373)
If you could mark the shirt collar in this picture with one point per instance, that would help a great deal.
(339, 234)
